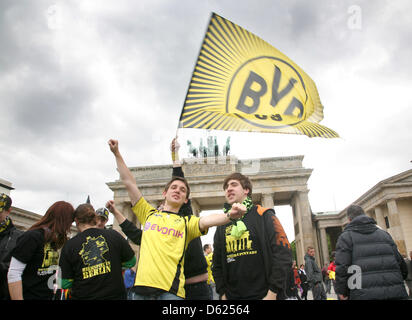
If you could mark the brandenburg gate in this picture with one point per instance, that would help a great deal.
(276, 181)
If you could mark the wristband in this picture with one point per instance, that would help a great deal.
(228, 216)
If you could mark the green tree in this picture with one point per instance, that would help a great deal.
(293, 248)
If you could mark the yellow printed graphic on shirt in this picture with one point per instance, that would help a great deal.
(92, 255)
(236, 247)
(51, 256)
(50, 260)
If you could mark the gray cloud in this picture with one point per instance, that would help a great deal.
(23, 34)
(46, 110)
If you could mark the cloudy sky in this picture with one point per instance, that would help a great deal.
(74, 74)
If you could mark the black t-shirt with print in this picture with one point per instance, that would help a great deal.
(93, 259)
(245, 264)
(41, 264)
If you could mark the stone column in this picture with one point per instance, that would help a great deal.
(380, 220)
(119, 206)
(303, 215)
(267, 200)
(195, 207)
(395, 226)
(306, 219)
(297, 221)
(324, 246)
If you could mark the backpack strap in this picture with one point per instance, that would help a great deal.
(261, 210)
(281, 238)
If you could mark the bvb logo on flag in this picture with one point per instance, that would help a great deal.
(250, 93)
(241, 83)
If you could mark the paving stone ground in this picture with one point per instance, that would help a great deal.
(330, 296)
(333, 295)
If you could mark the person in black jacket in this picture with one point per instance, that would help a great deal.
(195, 265)
(368, 263)
(251, 255)
(314, 275)
(291, 289)
(303, 282)
(8, 237)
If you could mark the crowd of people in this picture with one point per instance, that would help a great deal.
(251, 256)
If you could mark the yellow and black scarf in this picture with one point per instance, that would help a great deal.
(5, 224)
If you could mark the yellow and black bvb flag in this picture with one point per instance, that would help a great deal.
(241, 83)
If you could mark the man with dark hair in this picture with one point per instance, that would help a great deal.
(243, 180)
(368, 263)
(8, 236)
(252, 254)
(354, 211)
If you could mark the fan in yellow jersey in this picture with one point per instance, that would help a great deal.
(208, 252)
(166, 234)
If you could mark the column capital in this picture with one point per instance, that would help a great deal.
(393, 213)
(267, 200)
(380, 220)
(195, 207)
(392, 206)
(396, 230)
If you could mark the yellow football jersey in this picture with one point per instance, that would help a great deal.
(166, 236)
